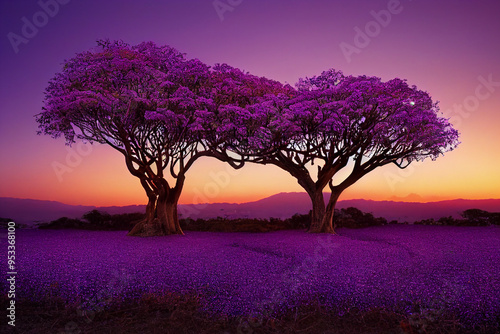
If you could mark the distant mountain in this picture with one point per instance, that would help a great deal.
(410, 198)
(413, 211)
(26, 211)
(281, 205)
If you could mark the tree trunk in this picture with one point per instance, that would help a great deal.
(164, 222)
(318, 210)
(148, 228)
(178, 228)
(173, 199)
(327, 225)
(150, 225)
(167, 214)
(151, 207)
(163, 219)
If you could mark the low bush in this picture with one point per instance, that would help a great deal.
(96, 220)
(348, 218)
(355, 218)
(298, 221)
(471, 217)
(4, 223)
(63, 223)
(241, 224)
(478, 217)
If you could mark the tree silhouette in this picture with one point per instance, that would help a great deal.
(347, 123)
(154, 106)
(140, 100)
(162, 112)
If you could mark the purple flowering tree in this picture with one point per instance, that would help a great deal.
(238, 125)
(158, 109)
(143, 101)
(163, 112)
(351, 124)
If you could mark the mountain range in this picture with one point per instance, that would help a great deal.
(282, 205)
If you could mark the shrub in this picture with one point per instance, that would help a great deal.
(96, 217)
(298, 221)
(430, 221)
(349, 218)
(4, 223)
(233, 225)
(125, 221)
(63, 223)
(471, 217)
(355, 218)
(96, 220)
(477, 217)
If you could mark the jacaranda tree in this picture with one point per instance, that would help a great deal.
(142, 101)
(352, 124)
(162, 112)
(238, 124)
(157, 108)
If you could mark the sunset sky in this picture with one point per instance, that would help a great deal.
(449, 48)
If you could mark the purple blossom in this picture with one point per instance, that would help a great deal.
(440, 268)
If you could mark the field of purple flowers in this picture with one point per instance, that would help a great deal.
(440, 268)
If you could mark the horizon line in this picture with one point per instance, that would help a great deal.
(401, 200)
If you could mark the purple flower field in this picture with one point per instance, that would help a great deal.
(441, 268)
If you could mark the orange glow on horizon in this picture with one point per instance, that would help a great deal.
(101, 179)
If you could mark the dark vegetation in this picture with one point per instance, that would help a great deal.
(4, 223)
(245, 224)
(96, 220)
(176, 313)
(349, 218)
(471, 217)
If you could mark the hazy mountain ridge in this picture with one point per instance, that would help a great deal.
(281, 205)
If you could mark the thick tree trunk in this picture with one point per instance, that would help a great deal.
(318, 210)
(178, 229)
(328, 220)
(147, 228)
(164, 215)
(161, 215)
(172, 205)
(164, 222)
(150, 225)
(167, 214)
(327, 223)
(151, 207)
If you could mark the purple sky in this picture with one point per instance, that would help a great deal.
(443, 47)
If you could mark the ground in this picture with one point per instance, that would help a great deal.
(440, 268)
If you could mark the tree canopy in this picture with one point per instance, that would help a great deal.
(339, 122)
(142, 101)
(162, 112)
